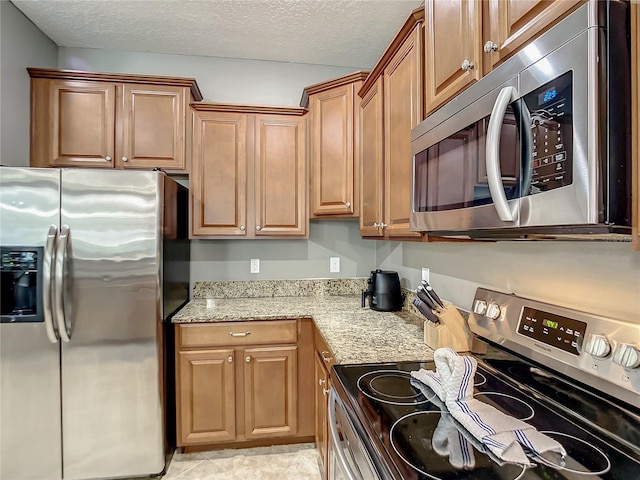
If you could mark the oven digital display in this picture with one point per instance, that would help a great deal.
(555, 330)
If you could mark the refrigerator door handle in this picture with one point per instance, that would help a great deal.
(62, 290)
(47, 274)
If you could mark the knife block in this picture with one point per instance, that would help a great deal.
(452, 331)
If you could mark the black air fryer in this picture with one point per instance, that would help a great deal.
(383, 290)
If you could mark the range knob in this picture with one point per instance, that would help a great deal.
(480, 307)
(493, 311)
(597, 346)
(626, 355)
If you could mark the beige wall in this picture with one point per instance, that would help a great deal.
(22, 45)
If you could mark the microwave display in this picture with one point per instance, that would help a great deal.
(551, 123)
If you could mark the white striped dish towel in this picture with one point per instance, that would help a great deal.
(506, 437)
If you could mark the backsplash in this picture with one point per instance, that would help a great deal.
(280, 288)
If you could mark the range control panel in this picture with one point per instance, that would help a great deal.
(601, 352)
(555, 330)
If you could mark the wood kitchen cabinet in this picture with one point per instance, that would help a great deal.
(83, 119)
(466, 39)
(334, 152)
(249, 171)
(392, 104)
(324, 360)
(244, 382)
(453, 49)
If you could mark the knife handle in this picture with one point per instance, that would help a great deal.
(432, 293)
(424, 310)
(422, 294)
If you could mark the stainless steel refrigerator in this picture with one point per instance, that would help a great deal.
(93, 264)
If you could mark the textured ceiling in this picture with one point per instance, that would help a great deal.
(350, 33)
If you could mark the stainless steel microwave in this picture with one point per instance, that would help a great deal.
(539, 146)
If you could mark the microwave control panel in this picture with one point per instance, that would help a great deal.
(551, 126)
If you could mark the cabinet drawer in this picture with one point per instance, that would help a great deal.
(237, 333)
(323, 350)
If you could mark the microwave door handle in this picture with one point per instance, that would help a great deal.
(492, 158)
(527, 150)
(60, 300)
(47, 277)
(333, 433)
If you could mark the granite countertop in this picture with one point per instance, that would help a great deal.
(354, 334)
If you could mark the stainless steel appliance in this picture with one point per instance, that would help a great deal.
(540, 145)
(92, 261)
(572, 375)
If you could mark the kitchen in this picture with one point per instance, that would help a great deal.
(559, 272)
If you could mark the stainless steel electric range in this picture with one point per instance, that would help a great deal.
(571, 375)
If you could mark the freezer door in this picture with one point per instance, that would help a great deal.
(112, 416)
(30, 438)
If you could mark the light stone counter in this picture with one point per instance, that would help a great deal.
(354, 334)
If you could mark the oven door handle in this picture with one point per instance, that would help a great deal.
(494, 176)
(333, 433)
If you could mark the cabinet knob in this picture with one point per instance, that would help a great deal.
(325, 356)
(258, 227)
(325, 391)
(248, 359)
(107, 158)
(125, 159)
(383, 225)
(322, 381)
(467, 65)
(230, 359)
(490, 47)
(347, 204)
(242, 228)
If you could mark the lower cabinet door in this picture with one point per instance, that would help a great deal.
(270, 391)
(206, 397)
(322, 392)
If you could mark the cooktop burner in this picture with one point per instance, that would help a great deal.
(394, 387)
(442, 451)
(410, 435)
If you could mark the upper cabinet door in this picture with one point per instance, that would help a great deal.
(402, 112)
(81, 129)
(515, 22)
(453, 48)
(280, 168)
(333, 151)
(153, 127)
(372, 162)
(218, 182)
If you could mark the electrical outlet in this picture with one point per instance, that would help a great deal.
(255, 265)
(334, 264)
(425, 274)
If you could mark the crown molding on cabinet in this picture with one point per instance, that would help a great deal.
(118, 77)
(358, 76)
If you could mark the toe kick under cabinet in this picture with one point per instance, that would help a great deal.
(244, 382)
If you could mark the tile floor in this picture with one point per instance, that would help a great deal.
(280, 462)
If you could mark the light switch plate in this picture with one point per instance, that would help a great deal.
(334, 264)
(425, 274)
(255, 265)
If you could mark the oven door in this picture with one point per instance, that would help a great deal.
(348, 458)
(467, 170)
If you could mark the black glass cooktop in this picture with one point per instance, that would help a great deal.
(410, 435)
